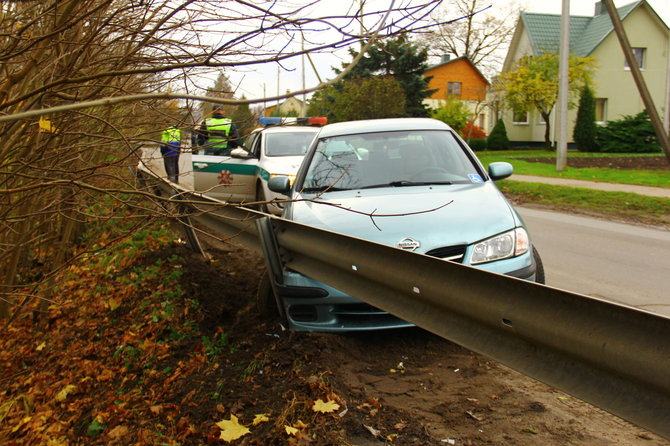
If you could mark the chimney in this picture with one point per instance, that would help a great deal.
(445, 58)
(600, 9)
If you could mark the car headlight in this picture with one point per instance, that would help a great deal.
(291, 178)
(509, 244)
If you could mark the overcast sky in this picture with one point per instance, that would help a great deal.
(266, 81)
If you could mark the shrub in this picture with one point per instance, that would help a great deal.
(472, 131)
(453, 113)
(478, 144)
(497, 139)
(630, 134)
(584, 133)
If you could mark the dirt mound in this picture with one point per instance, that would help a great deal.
(627, 163)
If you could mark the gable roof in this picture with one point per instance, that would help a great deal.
(586, 33)
(463, 58)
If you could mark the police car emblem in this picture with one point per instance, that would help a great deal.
(225, 177)
(408, 244)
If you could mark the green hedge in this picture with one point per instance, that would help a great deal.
(632, 134)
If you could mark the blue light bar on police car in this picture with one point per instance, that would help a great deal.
(268, 121)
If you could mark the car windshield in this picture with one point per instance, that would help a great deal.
(389, 159)
(288, 143)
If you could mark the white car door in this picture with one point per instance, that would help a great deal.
(225, 178)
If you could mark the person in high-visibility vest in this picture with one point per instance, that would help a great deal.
(218, 134)
(170, 147)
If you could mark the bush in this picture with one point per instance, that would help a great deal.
(472, 131)
(632, 134)
(584, 133)
(497, 139)
(453, 112)
(478, 144)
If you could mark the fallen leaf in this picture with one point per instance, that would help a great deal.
(391, 437)
(40, 347)
(156, 410)
(400, 426)
(231, 429)
(260, 418)
(299, 425)
(118, 432)
(325, 407)
(529, 430)
(62, 395)
(290, 430)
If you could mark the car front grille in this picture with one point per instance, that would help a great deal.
(451, 253)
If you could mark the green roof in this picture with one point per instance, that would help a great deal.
(586, 33)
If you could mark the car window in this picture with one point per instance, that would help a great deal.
(389, 158)
(288, 143)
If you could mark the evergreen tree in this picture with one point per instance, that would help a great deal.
(584, 133)
(244, 119)
(497, 139)
(404, 61)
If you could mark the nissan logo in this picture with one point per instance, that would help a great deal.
(408, 244)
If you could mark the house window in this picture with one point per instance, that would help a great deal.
(601, 110)
(639, 54)
(519, 117)
(453, 88)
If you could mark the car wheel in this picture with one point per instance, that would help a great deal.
(539, 267)
(265, 299)
(260, 196)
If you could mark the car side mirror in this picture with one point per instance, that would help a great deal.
(279, 184)
(500, 170)
(240, 153)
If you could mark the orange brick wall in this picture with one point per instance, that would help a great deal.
(473, 86)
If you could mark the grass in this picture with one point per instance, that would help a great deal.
(654, 178)
(628, 206)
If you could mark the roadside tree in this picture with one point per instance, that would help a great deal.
(533, 83)
(403, 60)
(481, 34)
(585, 129)
(72, 124)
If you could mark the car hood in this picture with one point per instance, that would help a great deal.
(435, 216)
(282, 165)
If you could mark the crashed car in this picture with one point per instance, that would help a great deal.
(241, 177)
(399, 167)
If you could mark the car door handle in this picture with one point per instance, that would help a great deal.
(200, 165)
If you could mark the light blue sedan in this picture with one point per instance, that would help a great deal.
(412, 183)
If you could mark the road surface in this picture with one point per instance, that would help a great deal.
(619, 262)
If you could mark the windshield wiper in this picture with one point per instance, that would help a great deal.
(324, 189)
(404, 183)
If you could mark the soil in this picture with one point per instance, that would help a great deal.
(404, 387)
(628, 162)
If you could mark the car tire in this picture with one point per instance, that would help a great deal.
(260, 197)
(539, 267)
(266, 302)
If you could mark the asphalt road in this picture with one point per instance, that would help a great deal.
(619, 262)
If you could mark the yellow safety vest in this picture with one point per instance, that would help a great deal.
(171, 134)
(218, 130)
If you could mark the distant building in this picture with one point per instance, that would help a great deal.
(459, 79)
(615, 91)
(291, 105)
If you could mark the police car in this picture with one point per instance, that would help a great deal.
(241, 177)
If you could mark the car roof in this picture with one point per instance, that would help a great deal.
(381, 125)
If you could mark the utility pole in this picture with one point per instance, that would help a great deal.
(562, 103)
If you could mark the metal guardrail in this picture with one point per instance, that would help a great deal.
(610, 355)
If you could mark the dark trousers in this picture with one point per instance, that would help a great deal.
(172, 167)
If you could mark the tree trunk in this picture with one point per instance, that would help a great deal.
(547, 131)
